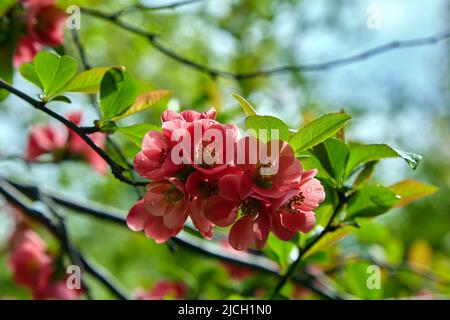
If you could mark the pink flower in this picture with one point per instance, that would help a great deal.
(57, 291)
(154, 160)
(201, 188)
(163, 211)
(44, 139)
(29, 262)
(271, 170)
(188, 115)
(44, 27)
(294, 212)
(163, 290)
(79, 148)
(254, 225)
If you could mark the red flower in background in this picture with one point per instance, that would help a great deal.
(33, 267)
(53, 138)
(163, 290)
(44, 139)
(44, 26)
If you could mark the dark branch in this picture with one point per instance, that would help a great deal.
(152, 37)
(116, 169)
(142, 7)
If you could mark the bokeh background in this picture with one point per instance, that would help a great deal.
(400, 98)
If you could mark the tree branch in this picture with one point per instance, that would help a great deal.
(116, 169)
(153, 39)
(142, 7)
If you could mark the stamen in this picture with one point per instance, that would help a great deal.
(290, 206)
(172, 195)
(250, 206)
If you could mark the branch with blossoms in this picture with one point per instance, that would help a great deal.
(302, 188)
(248, 261)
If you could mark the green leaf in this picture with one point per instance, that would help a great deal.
(365, 174)
(411, 190)
(87, 81)
(364, 153)
(28, 72)
(62, 99)
(333, 155)
(328, 240)
(54, 71)
(5, 5)
(370, 201)
(144, 102)
(318, 131)
(246, 106)
(117, 93)
(267, 123)
(136, 133)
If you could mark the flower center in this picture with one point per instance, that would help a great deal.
(261, 180)
(209, 188)
(172, 195)
(291, 205)
(250, 207)
(163, 156)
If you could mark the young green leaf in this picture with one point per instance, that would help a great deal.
(136, 133)
(318, 130)
(246, 106)
(371, 201)
(54, 71)
(364, 153)
(365, 174)
(144, 102)
(87, 81)
(27, 71)
(267, 123)
(278, 250)
(117, 93)
(333, 155)
(411, 190)
(61, 99)
(6, 69)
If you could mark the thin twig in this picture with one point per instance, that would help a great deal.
(153, 39)
(142, 7)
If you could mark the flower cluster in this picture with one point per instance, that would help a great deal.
(43, 25)
(202, 169)
(34, 268)
(64, 143)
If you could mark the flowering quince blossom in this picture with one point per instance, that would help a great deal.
(164, 290)
(54, 139)
(202, 170)
(43, 26)
(33, 268)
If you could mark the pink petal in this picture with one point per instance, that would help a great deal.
(138, 216)
(241, 234)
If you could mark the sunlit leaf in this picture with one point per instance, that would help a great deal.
(370, 201)
(318, 131)
(411, 190)
(246, 106)
(144, 102)
(87, 81)
(27, 71)
(267, 123)
(371, 152)
(117, 93)
(54, 71)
